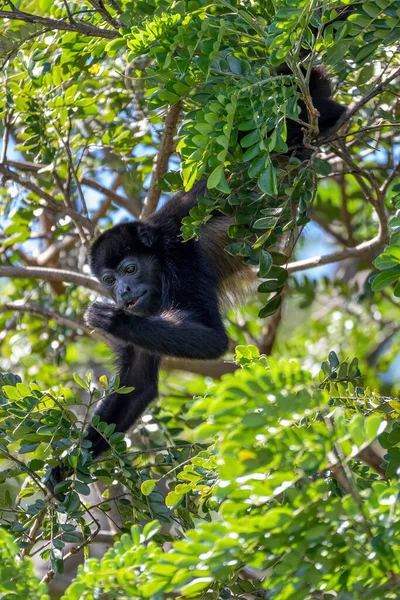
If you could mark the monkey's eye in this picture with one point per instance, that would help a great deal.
(108, 279)
(131, 269)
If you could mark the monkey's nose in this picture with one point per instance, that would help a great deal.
(126, 293)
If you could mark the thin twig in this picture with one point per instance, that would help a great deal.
(6, 138)
(33, 532)
(395, 173)
(70, 160)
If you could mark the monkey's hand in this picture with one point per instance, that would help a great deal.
(55, 475)
(106, 317)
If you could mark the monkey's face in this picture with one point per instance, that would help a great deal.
(134, 284)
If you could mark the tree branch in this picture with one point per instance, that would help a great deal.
(316, 261)
(328, 228)
(133, 206)
(52, 275)
(160, 163)
(207, 368)
(395, 173)
(50, 315)
(98, 5)
(374, 91)
(53, 251)
(85, 29)
(51, 203)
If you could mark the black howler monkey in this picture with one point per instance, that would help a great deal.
(166, 292)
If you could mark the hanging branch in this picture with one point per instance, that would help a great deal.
(160, 163)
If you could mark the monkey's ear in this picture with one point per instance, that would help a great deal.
(147, 235)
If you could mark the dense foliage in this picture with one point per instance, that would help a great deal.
(280, 479)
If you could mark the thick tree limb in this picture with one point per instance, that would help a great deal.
(59, 25)
(52, 275)
(160, 163)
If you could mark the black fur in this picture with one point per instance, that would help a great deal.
(184, 323)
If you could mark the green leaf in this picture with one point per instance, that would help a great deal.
(276, 278)
(252, 152)
(148, 486)
(374, 425)
(238, 249)
(265, 264)
(26, 448)
(114, 46)
(152, 587)
(80, 381)
(250, 139)
(116, 438)
(384, 261)
(385, 279)
(322, 166)
(150, 529)
(336, 52)
(353, 369)
(271, 307)
(267, 180)
(173, 499)
(196, 586)
(333, 360)
(215, 177)
(265, 223)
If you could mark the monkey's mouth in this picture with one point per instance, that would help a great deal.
(133, 301)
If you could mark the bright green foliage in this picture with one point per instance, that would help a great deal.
(280, 483)
(275, 507)
(17, 579)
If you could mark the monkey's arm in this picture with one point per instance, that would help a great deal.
(175, 333)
